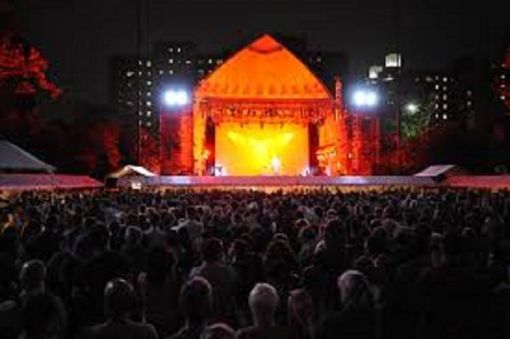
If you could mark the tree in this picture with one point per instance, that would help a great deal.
(415, 118)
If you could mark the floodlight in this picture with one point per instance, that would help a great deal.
(175, 98)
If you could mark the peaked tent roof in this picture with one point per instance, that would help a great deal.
(13, 158)
(265, 69)
(132, 170)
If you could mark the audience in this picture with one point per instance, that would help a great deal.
(299, 264)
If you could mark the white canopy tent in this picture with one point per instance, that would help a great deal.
(15, 159)
(131, 170)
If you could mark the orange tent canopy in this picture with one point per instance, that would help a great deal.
(263, 70)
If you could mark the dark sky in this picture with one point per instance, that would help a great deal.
(78, 36)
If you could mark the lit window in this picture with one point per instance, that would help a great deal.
(445, 79)
(140, 113)
(503, 97)
(171, 50)
(445, 116)
(188, 62)
(436, 106)
(161, 72)
(469, 93)
(129, 74)
(148, 63)
(139, 72)
(149, 113)
(503, 76)
(445, 88)
(149, 94)
(219, 61)
(149, 103)
(149, 74)
(437, 87)
(178, 50)
(170, 61)
(469, 103)
(445, 107)
(140, 62)
(436, 116)
(149, 124)
(149, 83)
(445, 97)
(210, 61)
(171, 72)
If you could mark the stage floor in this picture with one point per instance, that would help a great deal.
(346, 182)
(286, 181)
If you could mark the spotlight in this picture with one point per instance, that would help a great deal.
(175, 98)
(365, 98)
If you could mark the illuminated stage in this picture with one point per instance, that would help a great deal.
(264, 112)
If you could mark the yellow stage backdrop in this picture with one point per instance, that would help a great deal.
(255, 149)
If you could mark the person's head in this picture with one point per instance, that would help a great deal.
(32, 276)
(238, 249)
(195, 300)
(212, 250)
(218, 331)
(133, 236)
(42, 317)
(263, 302)
(119, 297)
(354, 290)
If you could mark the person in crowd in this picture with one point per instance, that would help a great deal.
(194, 228)
(263, 301)
(218, 331)
(36, 311)
(220, 276)
(357, 316)
(159, 287)
(119, 301)
(195, 301)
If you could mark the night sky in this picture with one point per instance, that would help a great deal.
(78, 36)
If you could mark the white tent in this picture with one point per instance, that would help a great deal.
(131, 170)
(15, 159)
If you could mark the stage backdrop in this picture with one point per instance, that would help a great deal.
(261, 149)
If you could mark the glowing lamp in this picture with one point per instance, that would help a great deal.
(365, 98)
(412, 108)
(176, 98)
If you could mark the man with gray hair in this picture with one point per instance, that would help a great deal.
(263, 302)
(357, 317)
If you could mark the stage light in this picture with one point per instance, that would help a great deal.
(175, 98)
(365, 98)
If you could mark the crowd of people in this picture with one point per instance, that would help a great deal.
(225, 264)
